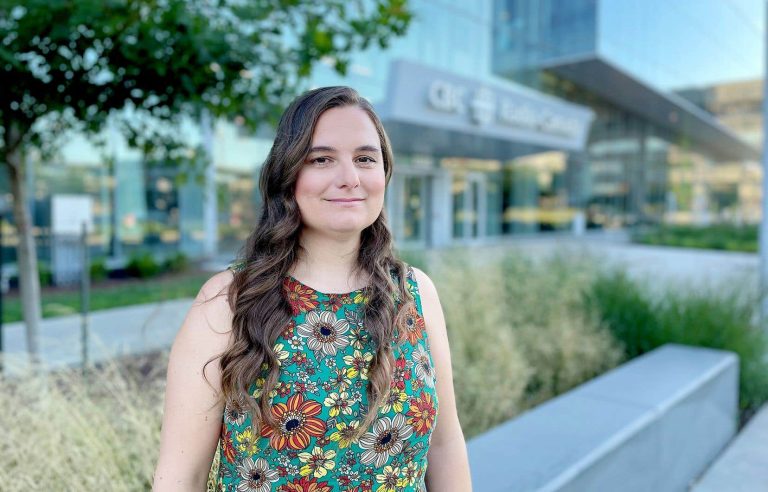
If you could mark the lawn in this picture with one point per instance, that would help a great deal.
(718, 236)
(111, 293)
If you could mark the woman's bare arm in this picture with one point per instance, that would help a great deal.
(191, 417)
(448, 469)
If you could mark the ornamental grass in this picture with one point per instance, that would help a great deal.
(719, 317)
(70, 432)
(520, 333)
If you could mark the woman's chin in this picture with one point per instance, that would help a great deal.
(342, 227)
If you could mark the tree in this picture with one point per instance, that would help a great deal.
(147, 64)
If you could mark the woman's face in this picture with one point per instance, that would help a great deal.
(340, 187)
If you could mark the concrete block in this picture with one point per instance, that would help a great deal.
(653, 424)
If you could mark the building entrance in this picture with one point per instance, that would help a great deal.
(409, 207)
(469, 205)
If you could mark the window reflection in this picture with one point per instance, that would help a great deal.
(535, 197)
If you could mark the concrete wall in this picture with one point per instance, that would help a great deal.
(743, 467)
(652, 424)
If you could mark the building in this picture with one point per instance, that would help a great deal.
(650, 149)
(506, 117)
(736, 187)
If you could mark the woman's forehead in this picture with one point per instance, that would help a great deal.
(344, 124)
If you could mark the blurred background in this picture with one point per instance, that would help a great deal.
(582, 179)
(506, 117)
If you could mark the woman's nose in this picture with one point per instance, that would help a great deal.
(348, 175)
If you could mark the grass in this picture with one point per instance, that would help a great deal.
(518, 332)
(70, 433)
(721, 236)
(721, 319)
(109, 294)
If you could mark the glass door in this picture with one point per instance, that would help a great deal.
(469, 206)
(409, 208)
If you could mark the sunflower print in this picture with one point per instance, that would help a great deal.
(297, 423)
(320, 401)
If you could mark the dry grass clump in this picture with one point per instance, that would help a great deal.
(67, 432)
(518, 330)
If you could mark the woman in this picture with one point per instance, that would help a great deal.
(330, 355)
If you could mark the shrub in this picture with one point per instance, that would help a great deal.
(518, 336)
(98, 269)
(720, 320)
(176, 262)
(414, 257)
(142, 264)
(44, 273)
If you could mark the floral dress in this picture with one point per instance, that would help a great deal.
(319, 402)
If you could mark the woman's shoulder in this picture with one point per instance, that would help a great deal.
(210, 315)
(217, 286)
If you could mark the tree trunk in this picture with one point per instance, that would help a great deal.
(26, 254)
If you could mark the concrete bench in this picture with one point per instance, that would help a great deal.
(652, 424)
(743, 466)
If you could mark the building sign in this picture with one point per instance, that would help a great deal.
(417, 94)
(70, 212)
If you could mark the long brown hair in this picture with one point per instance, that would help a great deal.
(256, 297)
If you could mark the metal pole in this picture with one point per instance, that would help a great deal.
(210, 212)
(763, 233)
(764, 214)
(85, 284)
(1, 294)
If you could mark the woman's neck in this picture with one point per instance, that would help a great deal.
(328, 264)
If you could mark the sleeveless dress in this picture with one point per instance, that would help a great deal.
(320, 400)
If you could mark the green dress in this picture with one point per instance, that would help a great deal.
(325, 353)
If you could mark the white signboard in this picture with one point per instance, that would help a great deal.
(69, 212)
(435, 99)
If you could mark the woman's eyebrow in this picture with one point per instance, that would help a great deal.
(322, 148)
(325, 148)
(369, 148)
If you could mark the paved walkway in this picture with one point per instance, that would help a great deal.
(126, 330)
(683, 267)
(743, 467)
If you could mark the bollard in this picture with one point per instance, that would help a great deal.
(85, 285)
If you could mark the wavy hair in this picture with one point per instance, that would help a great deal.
(256, 296)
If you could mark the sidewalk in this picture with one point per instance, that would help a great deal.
(684, 267)
(743, 467)
(113, 332)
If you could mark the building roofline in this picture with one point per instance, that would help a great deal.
(667, 110)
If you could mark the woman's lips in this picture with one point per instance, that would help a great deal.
(346, 202)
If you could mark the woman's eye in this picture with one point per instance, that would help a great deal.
(319, 160)
(367, 160)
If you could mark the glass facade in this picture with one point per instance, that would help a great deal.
(452, 35)
(637, 168)
(488, 198)
(632, 169)
(529, 33)
(668, 45)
